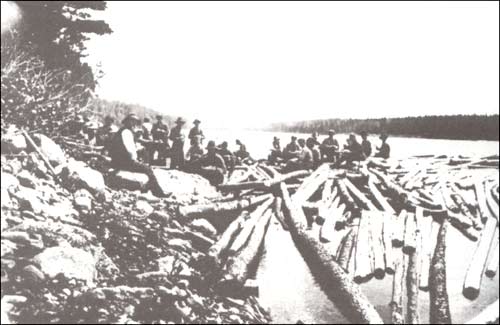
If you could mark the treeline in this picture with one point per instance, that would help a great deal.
(463, 127)
(119, 110)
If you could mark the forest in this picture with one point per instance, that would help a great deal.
(463, 127)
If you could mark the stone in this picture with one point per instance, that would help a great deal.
(166, 264)
(32, 273)
(180, 184)
(8, 180)
(204, 226)
(13, 143)
(82, 200)
(28, 199)
(69, 261)
(160, 217)
(50, 149)
(128, 180)
(143, 207)
(77, 175)
(178, 243)
(26, 179)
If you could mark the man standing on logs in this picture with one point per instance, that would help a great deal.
(194, 132)
(160, 134)
(384, 151)
(123, 152)
(177, 153)
(329, 148)
(212, 165)
(367, 146)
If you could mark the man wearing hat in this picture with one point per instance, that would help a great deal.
(177, 152)
(123, 152)
(353, 151)
(227, 155)
(367, 146)
(195, 131)
(160, 133)
(384, 151)
(212, 165)
(105, 132)
(329, 148)
(292, 150)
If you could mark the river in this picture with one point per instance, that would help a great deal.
(286, 285)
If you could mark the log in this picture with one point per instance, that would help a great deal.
(412, 284)
(327, 197)
(199, 210)
(344, 254)
(326, 233)
(378, 249)
(237, 267)
(278, 212)
(399, 194)
(285, 177)
(425, 225)
(312, 183)
(366, 203)
(337, 285)
(464, 209)
(410, 238)
(488, 316)
(387, 230)
(246, 233)
(382, 201)
(217, 250)
(346, 219)
(492, 268)
(439, 312)
(398, 228)
(364, 256)
(492, 203)
(400, 261)
(477, 265)
(345, 196)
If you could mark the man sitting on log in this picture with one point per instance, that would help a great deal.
(367, 146)
(242, 155)
(292, 150)
(123, 152)
(304, 159)
(316, 155)
(195, 152)
(227, 155)
(384, 151)
(329, 148)
(212, 165)
(353, 151)
(276, 155)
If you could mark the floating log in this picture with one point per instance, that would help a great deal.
(378, 249)
(412, 284)
(220, 247)
(398, 228)
(492, 203)
(200, 210)
(410, 238)
(459, 200)
(425, 224)
(382, 201)
(334, 281)
(387, 230)
(345, 196)
(400, 261)
(246, 233)
(263, 184)
(285, 177)
(278, 212)
(336, 240)
(477, 265)
(326, 232)
(439, 304)
(312, 183)
(488, 316)
(241, 186)
(367, 204)
(394, 190)
(237, 267)
(347, 217)
(492, 268)
(364, 255)
(345, 252)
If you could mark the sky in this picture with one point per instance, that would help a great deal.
(248, 64)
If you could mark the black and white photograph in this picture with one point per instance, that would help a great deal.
(250, 162)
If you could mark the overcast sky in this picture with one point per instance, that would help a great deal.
(251, 63)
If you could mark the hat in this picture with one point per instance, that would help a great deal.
(363, 133)
(131, 117)
(196, 121)
(211, 144)
(180, 120)
(331, 131)
(384, 136)
(294, 138)
(159, 117)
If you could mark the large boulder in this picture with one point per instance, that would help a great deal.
(128, 180)
(180, 184)
(50, 149)
(69, 261)
(77, 175)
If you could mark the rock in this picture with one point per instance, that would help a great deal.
(128, 180)
(143, 207)
(50, 149)
(77, 175)
(204, 226)
(20, 237)
(7, 248)
(26, 179)
(69, 261)
(161, 217)
(8, 181)
(36, 165)
(166, 264)
(178, 243)
(82, 200)
(183, 184)
(28, 199)
(13, 143)
(33, 274)
(12, 166)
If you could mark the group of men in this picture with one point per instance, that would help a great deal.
(310, 153)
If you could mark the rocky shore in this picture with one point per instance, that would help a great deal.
(85, 246)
